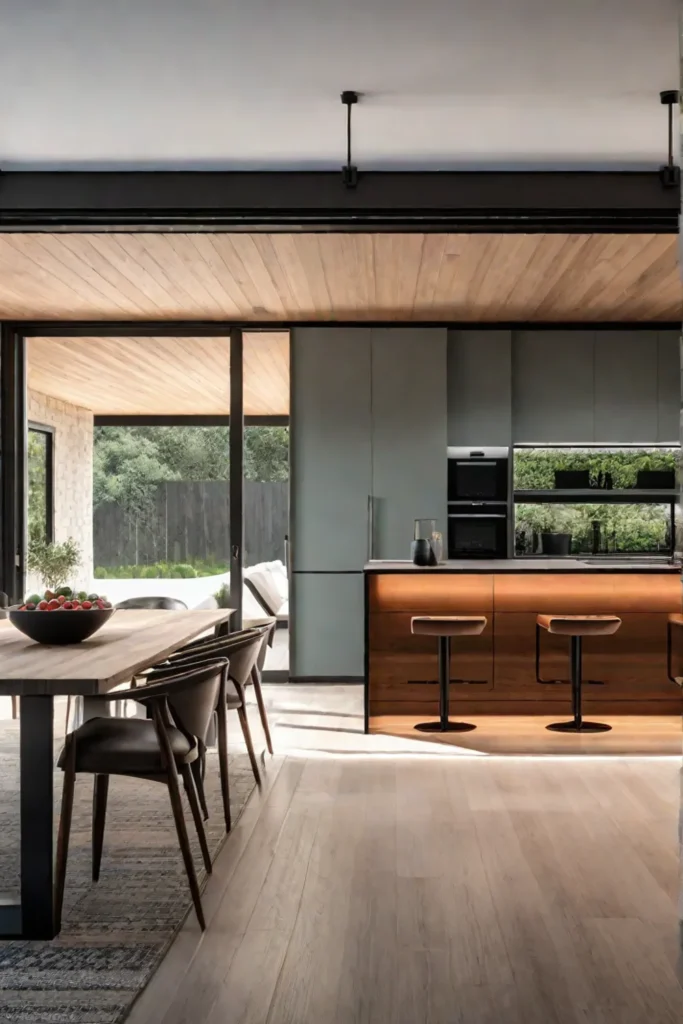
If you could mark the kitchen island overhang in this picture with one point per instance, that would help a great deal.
(495, 673)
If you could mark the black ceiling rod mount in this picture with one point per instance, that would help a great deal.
(349, 173)
(670, 173)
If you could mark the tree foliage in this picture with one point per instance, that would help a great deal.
(129, 462)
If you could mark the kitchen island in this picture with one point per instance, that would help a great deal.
(495, 673)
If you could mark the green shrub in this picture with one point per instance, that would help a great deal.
(161, 571)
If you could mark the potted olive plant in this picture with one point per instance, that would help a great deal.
(53, 563)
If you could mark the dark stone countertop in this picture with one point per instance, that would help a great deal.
(525, 565)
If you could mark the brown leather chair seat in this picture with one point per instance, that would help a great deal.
(104, 744)
(447, 625)
(580, 625)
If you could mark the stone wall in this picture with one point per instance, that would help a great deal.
(73, 455)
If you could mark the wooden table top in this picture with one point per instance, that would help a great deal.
(129, 642)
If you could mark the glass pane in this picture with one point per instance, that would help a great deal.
(147, 506)
(539, 469)
(583, 529)
(161, 503)
(266, 487)
(38, 442)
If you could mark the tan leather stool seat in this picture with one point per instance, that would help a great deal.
(580, 625)
(447, 625)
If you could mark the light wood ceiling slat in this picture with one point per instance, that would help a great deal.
(161, 376)
(261, 277)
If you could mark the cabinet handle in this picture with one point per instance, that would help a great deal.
(371, 527)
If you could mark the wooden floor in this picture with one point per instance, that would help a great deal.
(379, 880)
(527, 734)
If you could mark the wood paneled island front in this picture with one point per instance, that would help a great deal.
(495, 673)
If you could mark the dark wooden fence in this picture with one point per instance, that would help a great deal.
(191, 521)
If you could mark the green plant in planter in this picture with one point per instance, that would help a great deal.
(53, 563)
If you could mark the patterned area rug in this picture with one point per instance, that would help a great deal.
(114, 933)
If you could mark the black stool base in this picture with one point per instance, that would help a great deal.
(448, 727)
(584, 727)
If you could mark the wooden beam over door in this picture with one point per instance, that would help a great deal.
(337, 277)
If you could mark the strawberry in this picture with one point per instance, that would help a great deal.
(86, 606)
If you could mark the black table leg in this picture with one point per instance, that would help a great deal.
(36, 759)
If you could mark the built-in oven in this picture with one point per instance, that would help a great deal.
(478, 530)
(478, 474)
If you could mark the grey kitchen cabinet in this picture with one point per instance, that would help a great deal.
(409, 434)
(552, 386)
(480, 388)
(626, 398)
(327, 631)
(331, 438)
(668, 386)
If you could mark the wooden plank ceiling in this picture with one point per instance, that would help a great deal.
(340, 277)
(161, 376)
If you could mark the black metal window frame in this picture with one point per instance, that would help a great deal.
(48, 432)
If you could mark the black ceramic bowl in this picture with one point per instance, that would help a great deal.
(60, 627)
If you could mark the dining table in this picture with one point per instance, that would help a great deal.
(131, 641)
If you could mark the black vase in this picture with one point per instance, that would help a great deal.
(421, 551)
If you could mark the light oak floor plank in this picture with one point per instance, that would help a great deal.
(375, 884)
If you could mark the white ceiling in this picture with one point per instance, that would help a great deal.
(256, 83)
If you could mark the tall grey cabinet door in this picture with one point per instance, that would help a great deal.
(409, 434)
(330, 431)
(327, 630)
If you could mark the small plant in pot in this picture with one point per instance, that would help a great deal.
(548, 525)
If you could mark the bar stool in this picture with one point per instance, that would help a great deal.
(675, 621)
(575, 627)
(444, 627)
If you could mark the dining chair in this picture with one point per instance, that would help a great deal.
(158, 749)
(241, 650)
(266, 630)
(245, 666)
(171, 604)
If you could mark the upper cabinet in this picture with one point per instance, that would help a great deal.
(625, 386)
(409, 435)
(479, 388)
(554, 386)
(668, 386)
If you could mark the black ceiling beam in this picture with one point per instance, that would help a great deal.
(461, 201)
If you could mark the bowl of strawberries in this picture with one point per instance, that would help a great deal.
(61, 616)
